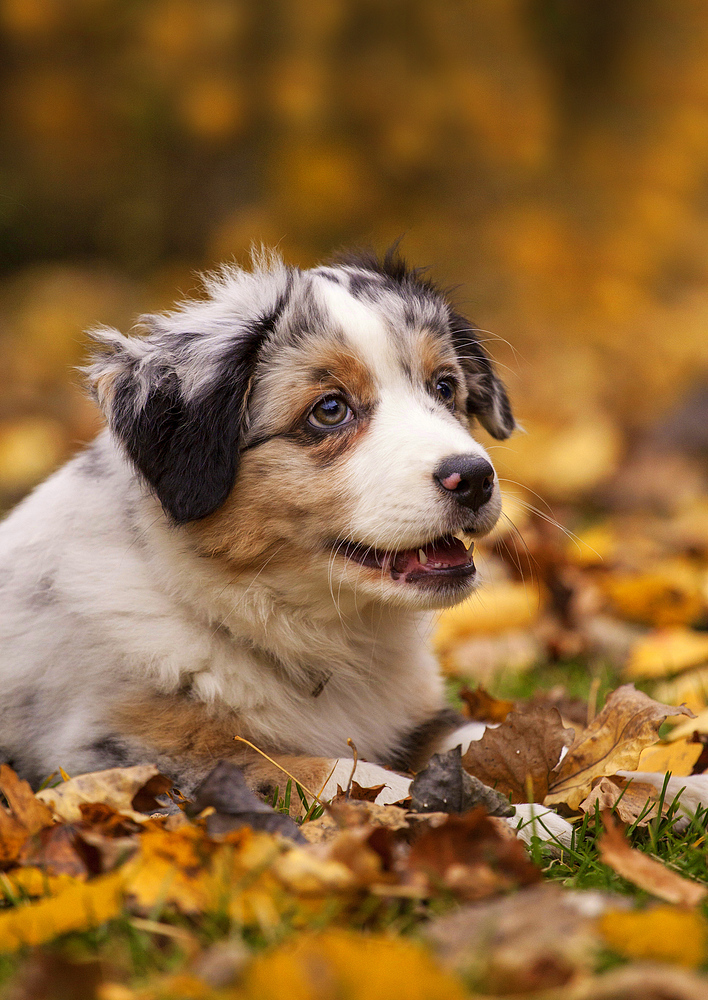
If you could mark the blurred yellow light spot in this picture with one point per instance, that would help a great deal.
(30, 448)
(212, 108)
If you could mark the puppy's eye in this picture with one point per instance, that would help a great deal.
(445, 389)
(332, 411)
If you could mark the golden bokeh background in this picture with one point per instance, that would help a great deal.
(549, 157)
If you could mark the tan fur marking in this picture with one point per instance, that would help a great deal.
(198, 737)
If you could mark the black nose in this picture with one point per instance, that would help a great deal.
(469, 478)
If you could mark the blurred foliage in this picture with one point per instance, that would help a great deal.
(549, 156)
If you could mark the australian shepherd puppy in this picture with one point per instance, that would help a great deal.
(251, 545)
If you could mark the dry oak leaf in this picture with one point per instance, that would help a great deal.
(662, 933)
(643, 871)
(468, 856)
(78, 907)
(631, 799)
(124, 789)
(612, 742)
(518, 757)
(27, 808)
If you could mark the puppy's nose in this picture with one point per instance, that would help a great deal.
(469, 478)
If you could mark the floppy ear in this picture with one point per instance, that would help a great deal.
(486, 396)
(186, 446)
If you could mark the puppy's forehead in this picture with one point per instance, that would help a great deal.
(386, 329)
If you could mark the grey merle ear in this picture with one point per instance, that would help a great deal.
(186, 446)
(486, 396)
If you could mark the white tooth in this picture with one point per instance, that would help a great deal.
(422, 558)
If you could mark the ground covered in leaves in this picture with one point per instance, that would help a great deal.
(595, 647)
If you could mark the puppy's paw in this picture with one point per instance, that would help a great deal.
(367, 775)
(462, 737)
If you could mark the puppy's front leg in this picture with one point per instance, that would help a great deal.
(322, 776)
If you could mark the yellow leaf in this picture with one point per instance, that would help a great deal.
(344, 964)
(678, 757)
(691, 688)
(670, 594)
(668, 651)
(117, 788)
(613, 742)
(81, 905)
(663, 934)
(686, 729)
(31, 881)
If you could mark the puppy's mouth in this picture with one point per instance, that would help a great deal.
(445, 559)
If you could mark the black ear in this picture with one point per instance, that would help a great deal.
(186, 447)
(486, 396)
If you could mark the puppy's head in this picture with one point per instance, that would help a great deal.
(315, 427)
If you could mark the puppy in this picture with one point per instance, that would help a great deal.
(251, 545)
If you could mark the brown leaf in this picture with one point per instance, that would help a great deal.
(518, 758)
(59, 851)
(632, 799)
(643, 871)
(469, 857)
(504, 947)
(358, 793)
(12, 838)
(32, 813)
(481, 706)
(613, 742)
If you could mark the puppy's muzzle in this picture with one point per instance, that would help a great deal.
(469, 479)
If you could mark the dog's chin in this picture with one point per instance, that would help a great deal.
(435, 574)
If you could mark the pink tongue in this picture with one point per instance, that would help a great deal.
(447, 552)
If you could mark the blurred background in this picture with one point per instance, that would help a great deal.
(548, 157)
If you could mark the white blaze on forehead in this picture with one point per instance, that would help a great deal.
(363, 327)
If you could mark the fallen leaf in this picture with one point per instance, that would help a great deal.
(59, 851)
(13, 836)
(358, 793)
(78, 907)
(32, 813)
(235, 805)
(340, 963)
(468, 856)
(684, 730)
(692, 790)
(668, 594)
(643, 871)
(481, 706)
(668, 651)
(690, 687)
(640, 981)
(518, 758)
(500, 946)
(630, 799)
(445, 786)
(662, 933)
(613, 741)
(118, 787)
(678, 757)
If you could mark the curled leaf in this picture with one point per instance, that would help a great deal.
(613, 741)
